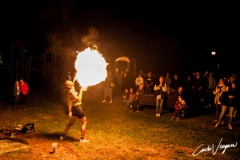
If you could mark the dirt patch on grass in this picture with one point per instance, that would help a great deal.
(41, 148)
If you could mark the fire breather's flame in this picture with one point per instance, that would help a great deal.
(91, 68)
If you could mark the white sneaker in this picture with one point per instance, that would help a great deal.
(61, 138)
(83, 141)
(110, 102)
(103, 101)
(230, 126)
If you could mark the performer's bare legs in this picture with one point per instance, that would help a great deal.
(84, 125)
(72, 121)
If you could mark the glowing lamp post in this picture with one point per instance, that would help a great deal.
(213, 53)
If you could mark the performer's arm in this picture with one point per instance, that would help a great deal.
(80, 94)
(69, 103)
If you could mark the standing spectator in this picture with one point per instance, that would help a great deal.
(217, 100)
(16, 93)
(108, 88)
(225, 80)
(139, 80)
(168, 82)
(230, 101)
(175, 83)
(149, 83)
(231, 80)
(197, 89)
(119, 83)
(178, 93)
(23, 92)
(193, 75)
(160, 92)
(125, 84)
(211, 84)
(188, 91)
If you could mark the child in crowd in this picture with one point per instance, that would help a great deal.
(125, 96)
(131, 98)
(180, 108)
(16, 93)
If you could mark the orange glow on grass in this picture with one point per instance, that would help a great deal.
(91, 68)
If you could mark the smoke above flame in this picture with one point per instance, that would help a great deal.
(91, 68)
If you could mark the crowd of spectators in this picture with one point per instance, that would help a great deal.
(199, 91)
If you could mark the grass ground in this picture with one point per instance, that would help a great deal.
(114, 132)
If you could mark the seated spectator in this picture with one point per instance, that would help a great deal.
(139, 80)
(180, 108)
(125, 96)
(131, 98)
(140, 90)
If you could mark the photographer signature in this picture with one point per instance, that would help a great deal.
(211, 148)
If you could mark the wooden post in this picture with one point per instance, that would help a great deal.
(44, 65)
(11, 67)
(16, 67)
(52, 66)
(28, 69)
(55, 61)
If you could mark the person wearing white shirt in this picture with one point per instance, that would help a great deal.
(160, 89)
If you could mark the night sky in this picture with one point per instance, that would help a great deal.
(174, 37)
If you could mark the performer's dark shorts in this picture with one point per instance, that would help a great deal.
(77, 111)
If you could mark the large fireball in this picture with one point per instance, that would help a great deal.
(91, 68)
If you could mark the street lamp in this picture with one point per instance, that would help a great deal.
(218, 65)
(213, 53)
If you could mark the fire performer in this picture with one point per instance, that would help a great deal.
(90, 70)
(75, 111)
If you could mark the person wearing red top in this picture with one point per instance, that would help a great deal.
(23, 91)
(180, 107)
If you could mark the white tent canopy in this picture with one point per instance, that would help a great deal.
(122, 59)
